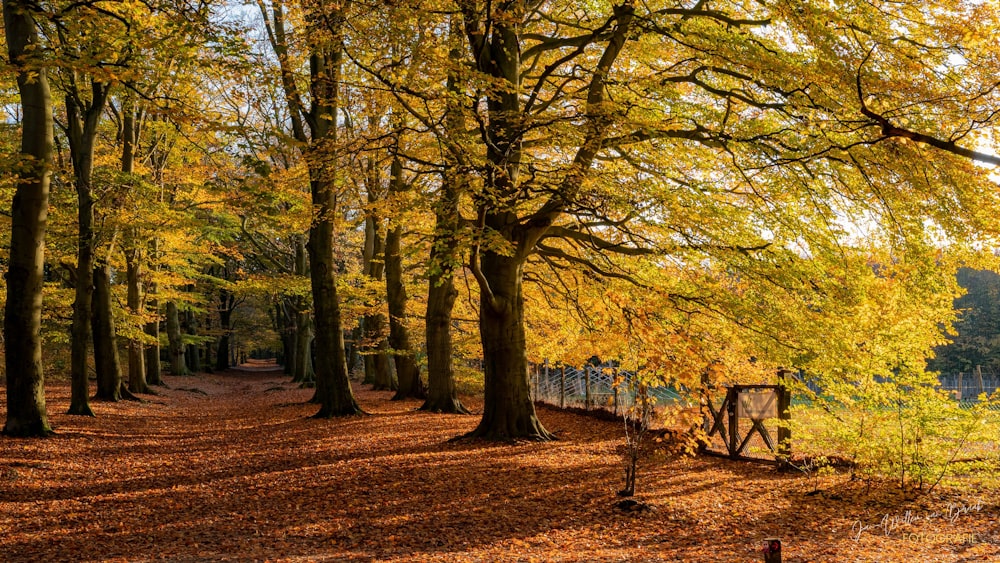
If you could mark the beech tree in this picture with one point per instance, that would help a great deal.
(412, 63)
(715, 174)
(26, 414)
(407, 370)
(316, 129)
(445, 255)
(716, 106)
(374, 346)
(83, 117)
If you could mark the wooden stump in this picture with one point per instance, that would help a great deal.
(772, 550)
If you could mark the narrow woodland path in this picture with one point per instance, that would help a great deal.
(229, 467)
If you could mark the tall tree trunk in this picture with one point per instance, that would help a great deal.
(333, 386)
(136, 359)
(305, 375)
(444, 258)
(109, 372)
(496, 41)
(287, 331)
(22, 321)
(303, 372)
(133, 255)
(83, 304)
(222, 354)
(407, 371)
(374, 346)
(193, 353)
(375, 350)
(152, 328)
(83, 118)
(441, 295)
(352, 350)
(226, 305)
(178, 366)
(508, 413)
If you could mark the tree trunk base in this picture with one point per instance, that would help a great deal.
(80, 410)
(127, 395)
(349, 410)
(530, 430)
(307, 381)
(447, 405)
(34, 429)
(418, 393)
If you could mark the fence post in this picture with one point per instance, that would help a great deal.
(534, 376)
(733, 396)
(548, 382)
(784, 432)
(614, 387)
(562, 386)
(979, 380)
(586, 389)
(960, 374)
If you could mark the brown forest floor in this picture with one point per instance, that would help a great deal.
(229, 467)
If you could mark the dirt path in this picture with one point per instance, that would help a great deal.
(230, 468)
(258, 366)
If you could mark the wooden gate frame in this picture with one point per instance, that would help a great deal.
(725, 421)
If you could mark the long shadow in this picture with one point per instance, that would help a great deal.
(442, 501)
(354, 489)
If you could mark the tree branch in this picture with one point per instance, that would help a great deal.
(889, 130)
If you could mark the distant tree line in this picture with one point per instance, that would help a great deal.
(977, 341)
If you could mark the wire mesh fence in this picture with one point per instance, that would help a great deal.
(609, 388)
(967, 387)
(593, 387)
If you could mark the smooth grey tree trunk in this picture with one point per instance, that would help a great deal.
(374, 346)
(441, 294)
(227, 303)
(333, 386)
(152, 328)
(178, 365)
(407, 371)
(106, 361)
(193, 355)
(304, 375)
(22, 322)
(445, 257)
(133, 261)
(136, 357)
(496, 41)
(509, 413)
(82, 117)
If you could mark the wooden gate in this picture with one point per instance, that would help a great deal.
(746, 425)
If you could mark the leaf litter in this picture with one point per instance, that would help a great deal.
(239, 472)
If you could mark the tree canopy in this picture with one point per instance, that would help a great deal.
(397, 188)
